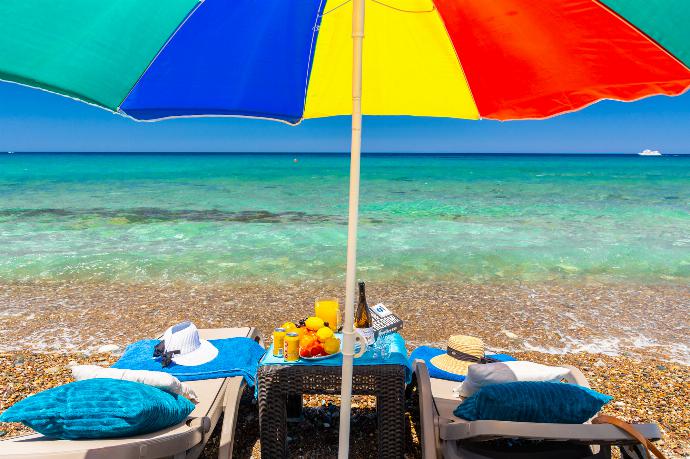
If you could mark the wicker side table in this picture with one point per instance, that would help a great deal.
(385, 382)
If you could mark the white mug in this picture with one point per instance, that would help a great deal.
(362, 340)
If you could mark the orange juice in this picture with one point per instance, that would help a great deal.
(328, 310)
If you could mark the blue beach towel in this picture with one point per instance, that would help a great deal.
(236, 357)
(426, 353)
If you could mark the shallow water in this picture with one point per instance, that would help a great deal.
(206, 218)
(629, 319)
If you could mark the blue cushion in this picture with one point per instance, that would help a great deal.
(99, 408)
(426, 353)
(533, 402)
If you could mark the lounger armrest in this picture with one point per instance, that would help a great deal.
(584, 433)
(418, 363)
(203, 423)
(256, 336)
(431, 445)
(575, 376)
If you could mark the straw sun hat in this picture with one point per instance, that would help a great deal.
(462, 351)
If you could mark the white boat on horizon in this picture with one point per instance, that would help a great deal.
(648, 152)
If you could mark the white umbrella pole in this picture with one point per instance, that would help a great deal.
(353, 216)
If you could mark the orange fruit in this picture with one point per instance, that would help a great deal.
(331, 345)
(301, 331)
(314, 323)
(289, 327)
(324, 333)
(307, 340)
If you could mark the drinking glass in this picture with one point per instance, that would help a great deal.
(328, 310)
(381, 349)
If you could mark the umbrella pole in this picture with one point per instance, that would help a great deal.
(353, 216)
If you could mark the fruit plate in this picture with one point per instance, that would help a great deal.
(321, 357)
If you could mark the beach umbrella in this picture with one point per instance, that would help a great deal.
(290, 60)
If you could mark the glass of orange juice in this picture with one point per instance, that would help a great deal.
(328, 310)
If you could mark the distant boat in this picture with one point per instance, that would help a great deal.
(649, 153)
(10, 152)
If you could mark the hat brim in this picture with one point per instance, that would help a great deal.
(451, 364)
(204, 354)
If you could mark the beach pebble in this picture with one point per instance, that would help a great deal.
(108, 348)
(509, 334)
(52, 370)
(619, 404)
(599, 364)
(71, 364)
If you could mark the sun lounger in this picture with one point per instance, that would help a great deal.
(445, 435)
(186, 440)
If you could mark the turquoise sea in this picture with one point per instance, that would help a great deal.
(229, 218)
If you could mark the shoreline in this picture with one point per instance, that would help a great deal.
(624, 319)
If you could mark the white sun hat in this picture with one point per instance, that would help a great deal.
(193, 351)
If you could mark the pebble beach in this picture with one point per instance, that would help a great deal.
(49, 326)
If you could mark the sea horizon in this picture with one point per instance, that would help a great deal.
(337, 153)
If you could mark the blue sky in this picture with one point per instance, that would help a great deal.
(32, 120)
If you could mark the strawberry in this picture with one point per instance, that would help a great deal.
(317, 349)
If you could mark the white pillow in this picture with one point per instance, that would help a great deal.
(480, 375)
(157, 379)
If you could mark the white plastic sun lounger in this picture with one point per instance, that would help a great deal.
(445, 435)
(186, 440)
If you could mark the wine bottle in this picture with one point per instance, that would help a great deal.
(363, 317)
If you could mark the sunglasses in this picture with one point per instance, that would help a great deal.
(159, 351)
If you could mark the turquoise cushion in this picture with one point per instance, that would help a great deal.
(99, 408)
(533, 402)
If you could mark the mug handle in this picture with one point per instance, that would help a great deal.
(359, 338)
